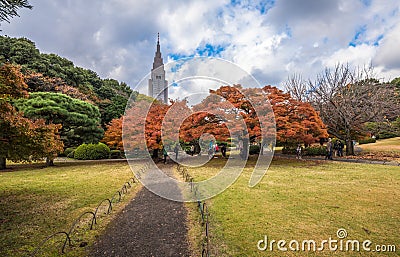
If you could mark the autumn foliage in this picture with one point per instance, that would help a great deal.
(296, 121)
(142, 126)
(113, 135)
(260, 113)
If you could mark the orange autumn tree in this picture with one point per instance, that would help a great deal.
(296, 121)
(113, 134)
(225, 113)
(142, 126)
(246, 113)
(210, 117)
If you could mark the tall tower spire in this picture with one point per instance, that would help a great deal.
(158, 86)
(158, 41)
(158, 60)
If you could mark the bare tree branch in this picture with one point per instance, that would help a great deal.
(347, 98)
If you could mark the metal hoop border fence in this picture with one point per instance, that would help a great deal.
(205, 251)
(116, 198)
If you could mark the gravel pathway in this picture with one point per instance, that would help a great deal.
(148, 226)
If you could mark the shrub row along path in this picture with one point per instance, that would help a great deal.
(148, 226)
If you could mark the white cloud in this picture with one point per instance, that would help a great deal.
(356, 56)
(388, 54)
(117, 38)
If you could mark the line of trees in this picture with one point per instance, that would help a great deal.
(296, 121)
(46, 96)
(52, 73)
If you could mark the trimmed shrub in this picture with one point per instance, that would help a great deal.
(71, 154)
(81, 153)
(68, 150)
(315, 150)
(116, 154)
(92, 152)
(254, 149)
(367, 141)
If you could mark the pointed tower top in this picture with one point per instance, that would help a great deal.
(158, 61)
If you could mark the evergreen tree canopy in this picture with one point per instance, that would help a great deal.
(80, 120)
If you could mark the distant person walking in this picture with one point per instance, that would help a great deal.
(192, 150)
(165, 154)
(211, 149)
(335, 148)
(176, 151)
(223, 150)
(329, 150)
(298, 151)
(340, 148)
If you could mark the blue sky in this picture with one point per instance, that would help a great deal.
(269, 39)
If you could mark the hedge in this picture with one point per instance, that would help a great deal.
(367, 141)
(71, 154)
(116, 154)
(92, 152)
(68, 151)
(289, 149)
(309, 151)
(315, 151)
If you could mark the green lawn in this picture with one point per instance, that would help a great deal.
(305, 200)
(36, 202)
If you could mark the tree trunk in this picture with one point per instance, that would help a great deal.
(2, 163)
(349, 147)
(155, 154)
(245, 150)
(49, 161)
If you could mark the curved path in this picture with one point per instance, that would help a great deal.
(148, 226)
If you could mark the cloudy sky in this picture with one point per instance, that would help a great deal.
(271, 39)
